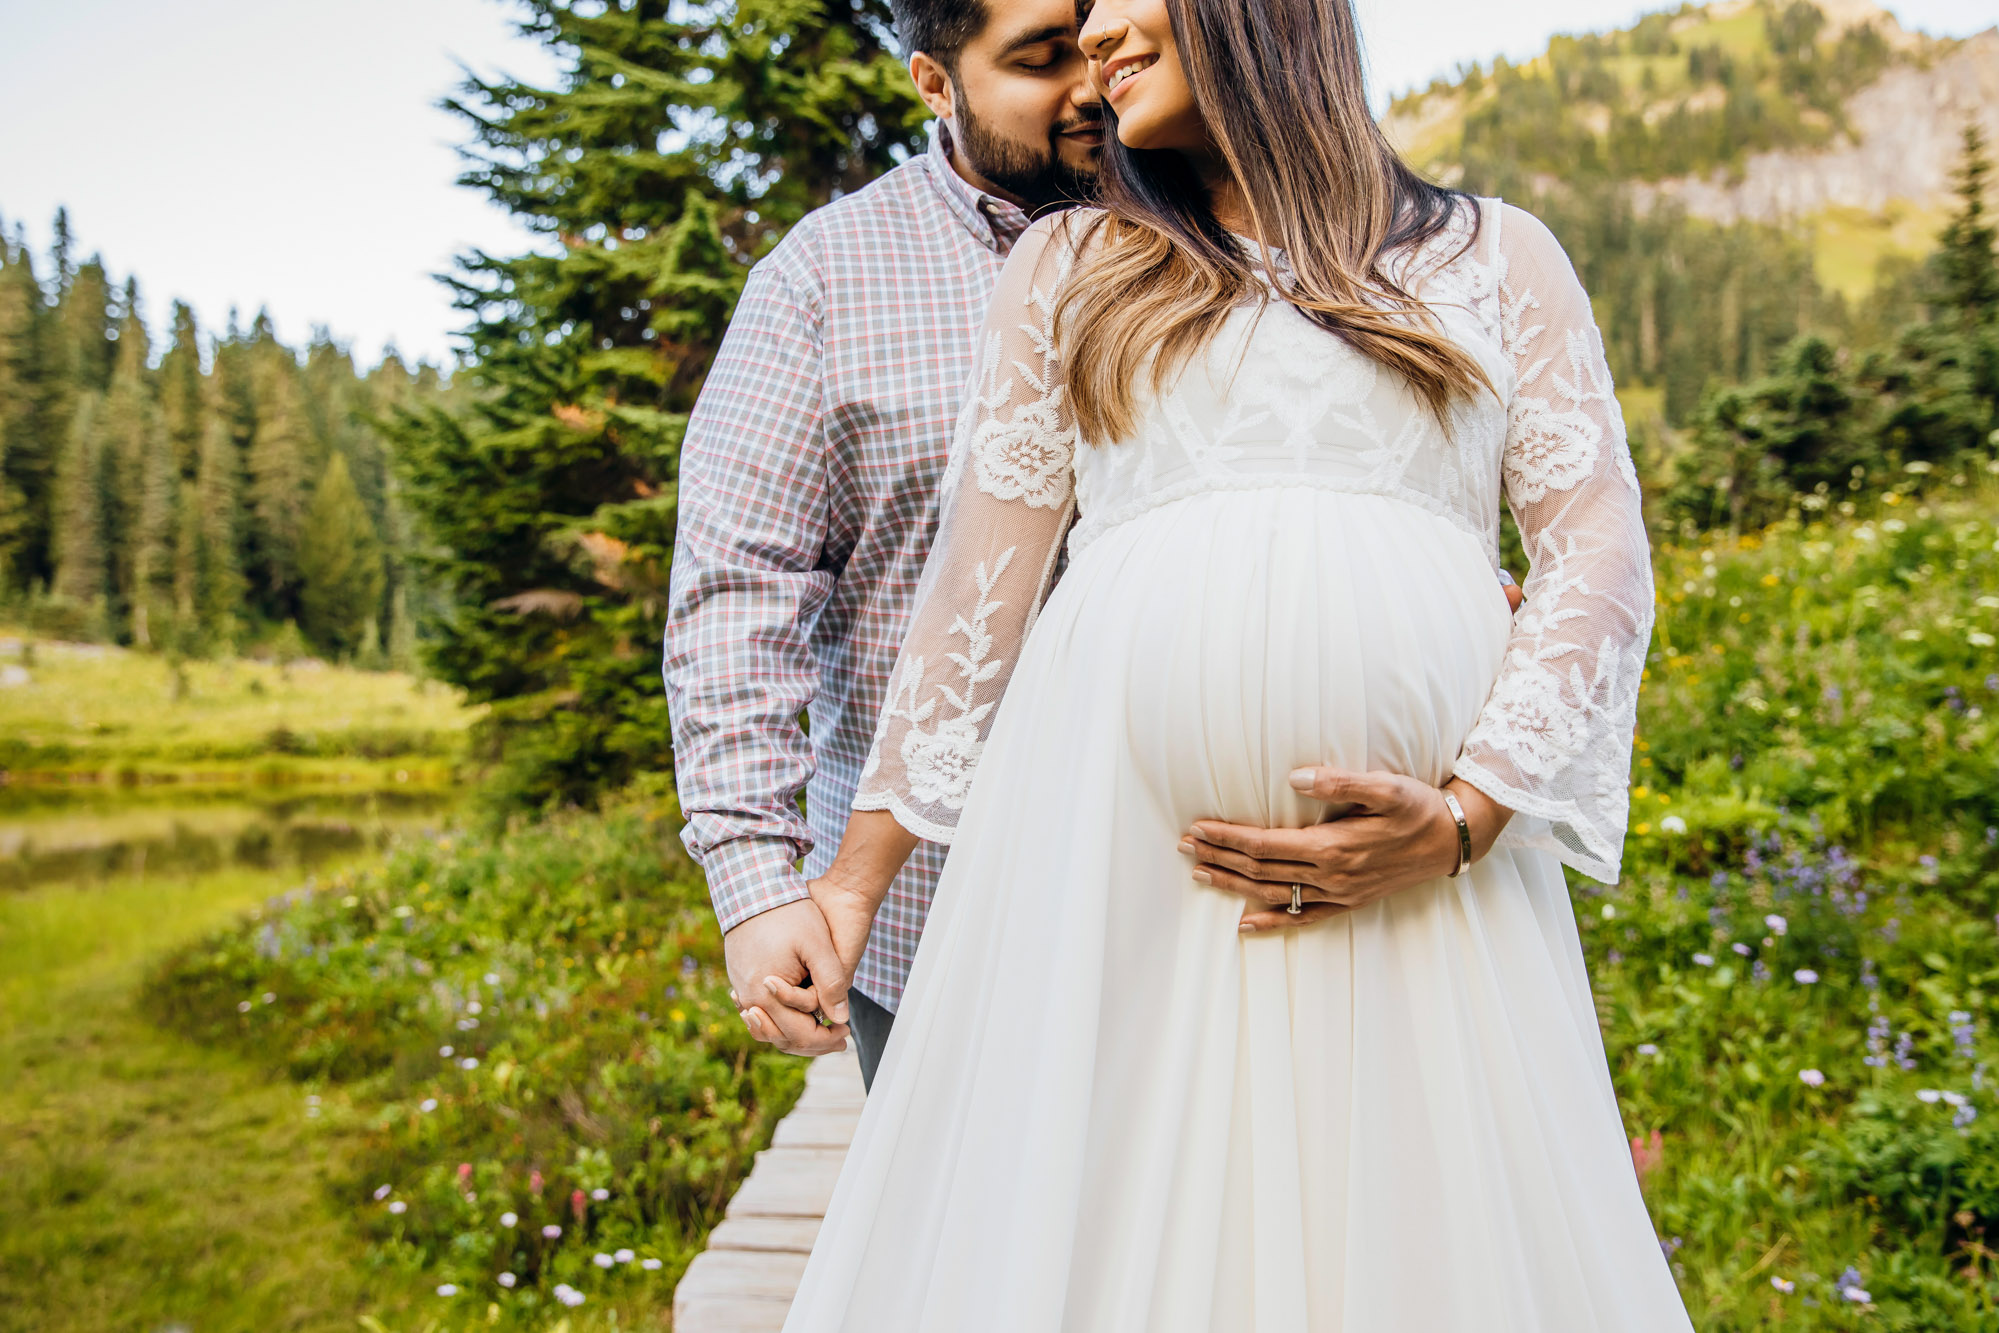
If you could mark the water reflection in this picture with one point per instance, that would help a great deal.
(89, 839)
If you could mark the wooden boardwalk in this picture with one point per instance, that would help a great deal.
(743, 1282)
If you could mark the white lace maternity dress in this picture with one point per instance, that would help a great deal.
(1105, 1111)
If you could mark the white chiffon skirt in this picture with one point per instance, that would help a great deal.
(1103, 1110)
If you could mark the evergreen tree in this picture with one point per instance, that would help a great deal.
(131, 432)
(1967, 267)
(61, 245)
(283, 459)
(185, 581)
(1938, 385)
(218, 579)
(1757, 446)
(680, 143)
(184, 391)
(87, 330)
(151, 595)
(340, 566)
(20, 435)
(82, 565)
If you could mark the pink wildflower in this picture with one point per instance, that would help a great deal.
(1647, 1154)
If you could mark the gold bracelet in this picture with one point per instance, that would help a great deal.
(1464, 833)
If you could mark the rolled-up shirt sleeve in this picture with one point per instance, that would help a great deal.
(747, 584)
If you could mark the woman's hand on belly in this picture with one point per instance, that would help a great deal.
(1399, 833)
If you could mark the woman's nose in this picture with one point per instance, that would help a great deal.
(1095, 42)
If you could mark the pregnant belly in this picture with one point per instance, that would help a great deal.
(1239, 635)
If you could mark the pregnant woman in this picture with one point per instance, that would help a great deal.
(1269, 395)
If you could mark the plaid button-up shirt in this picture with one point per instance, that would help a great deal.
(808, 499)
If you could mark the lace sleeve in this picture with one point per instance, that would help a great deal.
(994, 556)
(1554, 740)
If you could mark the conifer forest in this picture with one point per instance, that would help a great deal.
(202, 496)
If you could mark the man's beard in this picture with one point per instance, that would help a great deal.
(1038, 175)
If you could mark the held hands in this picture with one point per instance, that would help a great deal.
(792, 965)
(1397, 833)
(784, 969)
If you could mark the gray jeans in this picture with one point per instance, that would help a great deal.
(869, 1023)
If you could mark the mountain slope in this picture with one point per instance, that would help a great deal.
(1903, 135)
(1741, 110)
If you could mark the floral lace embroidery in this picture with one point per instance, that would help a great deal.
(1549, 449)
(1027, 456)
(1017, 445)
(938, 765)
(1553, 741)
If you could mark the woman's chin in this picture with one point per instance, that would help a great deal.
(1136, 136)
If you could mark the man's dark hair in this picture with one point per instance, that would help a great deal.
(938, 28)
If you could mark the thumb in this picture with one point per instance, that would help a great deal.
(1326, 783)
(829, 976)
(1368, 791)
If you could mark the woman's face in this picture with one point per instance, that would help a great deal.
(1136, 68)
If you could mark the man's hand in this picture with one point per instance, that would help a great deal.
(1398, 833)
(784, 969)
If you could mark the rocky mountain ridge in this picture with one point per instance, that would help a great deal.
(1904, 135)
(1890, 142)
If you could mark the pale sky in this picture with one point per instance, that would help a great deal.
(287, 154)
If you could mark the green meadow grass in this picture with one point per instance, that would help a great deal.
(154, 1182)
(92, 713)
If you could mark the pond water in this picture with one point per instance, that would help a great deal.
(86, 838)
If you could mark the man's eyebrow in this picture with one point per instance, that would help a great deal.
(1052, 32)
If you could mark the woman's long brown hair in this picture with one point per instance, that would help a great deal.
(1279, 85)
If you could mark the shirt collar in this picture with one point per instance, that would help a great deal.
(994, 221)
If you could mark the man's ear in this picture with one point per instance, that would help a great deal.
(933, 85)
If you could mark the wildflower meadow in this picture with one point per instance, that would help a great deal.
(1795, 979)
(528, 1041)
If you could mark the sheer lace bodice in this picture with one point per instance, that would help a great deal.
(1276, 402)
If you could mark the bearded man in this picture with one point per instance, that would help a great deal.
(808, 499)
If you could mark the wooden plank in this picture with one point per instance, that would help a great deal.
(728, 1314)
(835, 1074)
(791, 1234)
(745, 1279)
(789, 1182)
(817, 1127)
(739, 1273)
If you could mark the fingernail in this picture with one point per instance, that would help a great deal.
(1203, 877)
(1245, 928)
(840, 1012)
(1187, 846)
(748, 1021)
(771, 984)
(1303, 778)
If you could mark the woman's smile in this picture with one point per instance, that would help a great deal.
(1122, 70)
